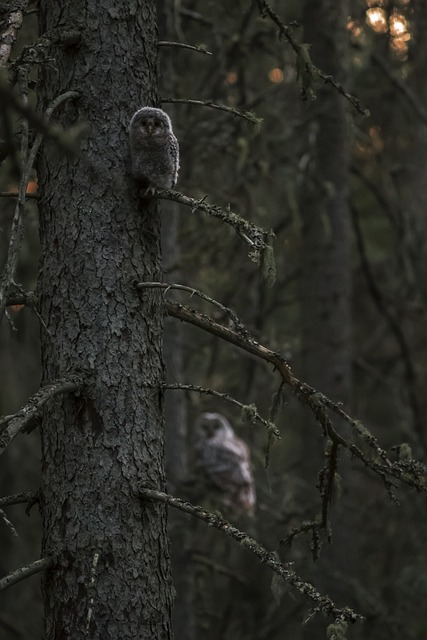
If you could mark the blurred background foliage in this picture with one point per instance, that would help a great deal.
(274, 177)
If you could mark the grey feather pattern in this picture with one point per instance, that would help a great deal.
(154, 149)
(225, 461)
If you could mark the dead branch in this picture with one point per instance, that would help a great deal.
(303, 57)
(249, 412)
(17, 230)
(254, 236)
(195, 292)
(10, 426)
(25, 572)
(17, 498)
(246, 115)
(166, 43)
(15, 194)
(410, 472)
(269, 558)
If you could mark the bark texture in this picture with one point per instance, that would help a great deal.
(111, 577)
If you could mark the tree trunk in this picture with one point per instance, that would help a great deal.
(111, 577)
(326, 273)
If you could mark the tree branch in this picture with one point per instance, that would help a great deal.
(17, 230)
(12, 425)
(17, 498)
(166, 43)
(304, 62)
(269, 558)
(246, 115)
(195, 292)
(254, 236)
(249, 412)
(25, 572)
(409, 472)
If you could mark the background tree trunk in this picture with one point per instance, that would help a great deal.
(112, 575)
(326, 260)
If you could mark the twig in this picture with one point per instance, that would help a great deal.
(208, 562)
(254, 236)
(18, 296)
(404, 89)
(17, 498)
(269, 558)
(15, 194)
(303, 57)
(246, 115)
(166, 43)
(326, 486)
(411, 473)
(18, 218)
(13, 20)
(255, 417)
(195, 292)
(12, 425)
(39, 122)
(24, 572)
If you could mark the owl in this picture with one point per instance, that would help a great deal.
(154, 149)
(224, 460)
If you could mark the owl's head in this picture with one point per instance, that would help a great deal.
(150, 123)
(210, 424)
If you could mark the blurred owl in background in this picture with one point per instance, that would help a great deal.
(154, 149)
(224, 460)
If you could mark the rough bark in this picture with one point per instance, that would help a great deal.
(111, 577)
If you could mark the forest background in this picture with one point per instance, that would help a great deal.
(337, 171)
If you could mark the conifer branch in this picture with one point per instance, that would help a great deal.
(10, 426)
(25, 572)
(322, 603)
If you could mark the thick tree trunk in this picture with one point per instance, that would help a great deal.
(111, 577)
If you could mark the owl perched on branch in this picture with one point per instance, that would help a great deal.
(154, 150)
(224, 460)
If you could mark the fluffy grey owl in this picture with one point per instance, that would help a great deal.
(154, 149)
(225, 461)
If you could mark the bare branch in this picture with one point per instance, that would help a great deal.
(12, 425)
(327, 477)
(18, 296)
(195, 292)
(303, 58)
(12, 21)
(39, 122)
(17, 230)
(15, 194)
(25, 572)
(246, 115)
(17, 498)
(269, 558)
(166, 43)
(409, 472)
(247, 410)
(254, 236)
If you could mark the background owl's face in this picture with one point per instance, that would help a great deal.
(211, 423)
